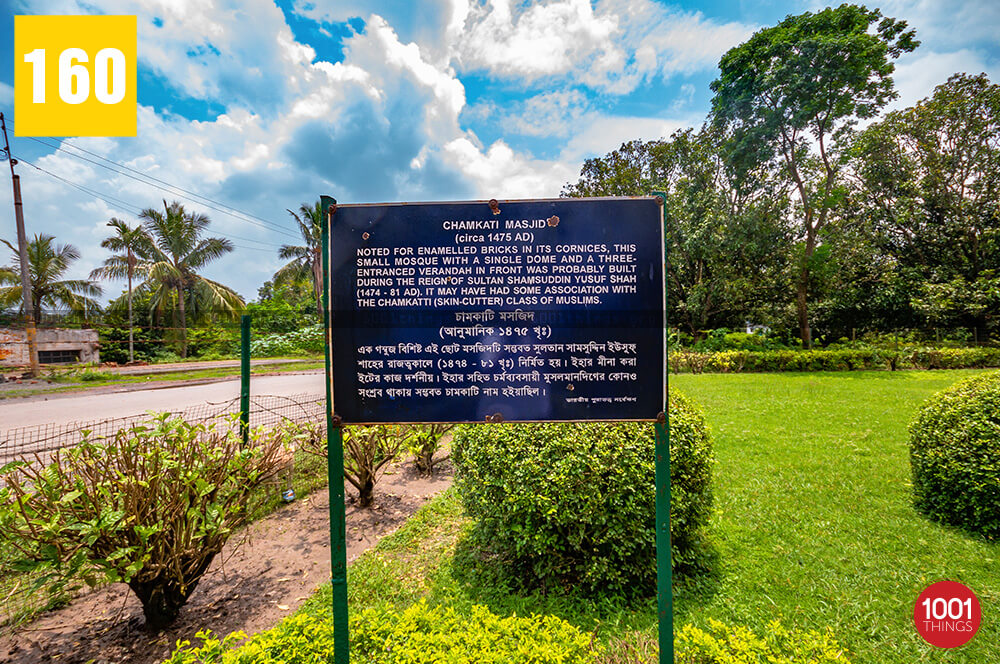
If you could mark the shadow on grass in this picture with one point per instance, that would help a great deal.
(697, 584)
(869, 374)
(480, 576)
(956, 528)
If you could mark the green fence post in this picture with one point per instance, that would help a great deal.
(245, 378)
(334, 466)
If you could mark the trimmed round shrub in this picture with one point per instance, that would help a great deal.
(955, 456)
(573, 505)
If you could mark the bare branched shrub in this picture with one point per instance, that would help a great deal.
(367, 450)
(150, 507)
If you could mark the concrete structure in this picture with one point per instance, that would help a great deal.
(55, 346)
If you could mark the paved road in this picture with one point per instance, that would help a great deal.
(85, 407)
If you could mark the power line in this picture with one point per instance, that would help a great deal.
(107, 198)
(205, 200)
(134, 209)
(171, 189)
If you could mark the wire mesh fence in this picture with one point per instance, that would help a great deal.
(265, 411)
(35, 444)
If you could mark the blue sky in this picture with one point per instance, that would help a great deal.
(249, 107)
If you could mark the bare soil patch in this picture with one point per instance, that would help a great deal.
(286, 556)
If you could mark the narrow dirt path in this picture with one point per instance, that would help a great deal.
(286, 557)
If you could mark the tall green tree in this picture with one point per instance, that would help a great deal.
(305, 261)
(793, 92)
(176, 253)
(727, 240)
(725, 226)
(628, 171)
(47, 263)
(132, 244)
(927, 178)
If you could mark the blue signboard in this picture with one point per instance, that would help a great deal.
(542, 310)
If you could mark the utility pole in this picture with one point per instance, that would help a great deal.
(22, 252)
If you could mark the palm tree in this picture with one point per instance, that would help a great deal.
(134, 243)
(176, 253)
(306, 260)
(47, 262)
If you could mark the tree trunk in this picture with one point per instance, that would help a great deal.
(131, 349)
(163, 595)
(180, 307)
(802, 308)
(161, 602)
(424, 461)
(317, 273)
(366, 492)
(802, 295)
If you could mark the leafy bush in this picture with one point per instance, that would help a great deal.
(166, 356)
(114, 343)
(281, 313)
(723, 339)
(420, 634)
(307, 340)
(722, 644)
(955, 455)
(566, 505)
(149, 507)
(737, 361)
(92, 375)
(218, 339)
(424, 442)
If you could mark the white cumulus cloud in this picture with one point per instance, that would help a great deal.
(612, 46)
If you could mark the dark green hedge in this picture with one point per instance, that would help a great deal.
(572, 505)
(955, 455)
(743, 361)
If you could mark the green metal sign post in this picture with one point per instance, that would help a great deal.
(664, 571)
(664, 559)
(334, 467)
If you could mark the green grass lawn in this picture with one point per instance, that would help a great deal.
(814, 522)
(813, 527)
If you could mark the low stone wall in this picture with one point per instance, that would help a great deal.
(14, 345)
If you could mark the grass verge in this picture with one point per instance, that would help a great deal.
(814, 520)
(814, 527)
